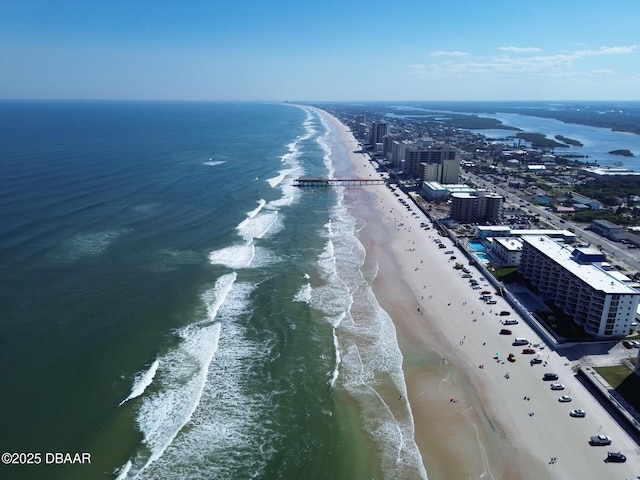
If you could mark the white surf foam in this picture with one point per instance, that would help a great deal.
(123, 471)
(213, 163)
(234, 256)
(230, 415)
(182, 379)
(142, 381)
(304, 294)
(366, 350)
(163, 414)
(258, 225)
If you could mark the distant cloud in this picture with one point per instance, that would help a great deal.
(457, 63)
(443, 53)
(417, 68)
(622, 50)
(520, 49)
(604, 71)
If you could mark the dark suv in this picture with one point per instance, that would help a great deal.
(615, 457)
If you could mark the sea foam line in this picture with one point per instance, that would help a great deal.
(230, 416)
(142, 381)
(182, 380)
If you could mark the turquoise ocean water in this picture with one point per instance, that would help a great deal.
(172, 305)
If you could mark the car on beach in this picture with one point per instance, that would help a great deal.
(491, 302)
(467, 275)
(557, 386)
(615, 457)
(550, 376)
(535, 361)
(565, 398)
(505, 331)
(505, 313)
(578, 413)
(519, 341)
(528, 351)
(510, 321)
(600, 440)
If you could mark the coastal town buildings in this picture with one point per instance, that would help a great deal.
(606, 228)
(438, 165)
(481, 206)
(507, 251)
(379, 130)
(600, 300)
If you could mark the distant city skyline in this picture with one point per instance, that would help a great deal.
(320, 51)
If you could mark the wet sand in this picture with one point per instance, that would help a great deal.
(472, 422)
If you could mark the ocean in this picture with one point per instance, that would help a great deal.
(173, 307)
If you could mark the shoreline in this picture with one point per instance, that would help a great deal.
(469, 422)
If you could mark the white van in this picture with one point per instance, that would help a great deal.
(520, 341)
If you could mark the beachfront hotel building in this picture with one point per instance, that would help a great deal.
(432, 165)
(482, 206)
(602, 301)
(507, 251)
(379, 130)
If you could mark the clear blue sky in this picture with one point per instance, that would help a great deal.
(321, 50)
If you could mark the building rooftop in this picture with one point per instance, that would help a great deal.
(591, 274)
(509, 243)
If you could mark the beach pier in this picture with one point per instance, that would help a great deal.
(331, 182)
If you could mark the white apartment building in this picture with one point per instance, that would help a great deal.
(508, 250)
(597, 299)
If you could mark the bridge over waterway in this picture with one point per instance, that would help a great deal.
(330, 182)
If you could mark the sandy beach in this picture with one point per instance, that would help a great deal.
(475, 416)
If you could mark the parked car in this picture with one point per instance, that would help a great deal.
(550, 376)
(505, 313)
(565, 398)
(510, 321)
(528, 351)
(534, 361)
(557, 386)
(505, 331)
(600, 440)
(578, 412)
(491, 302)
(615, 457)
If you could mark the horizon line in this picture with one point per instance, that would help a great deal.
(185, 100)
